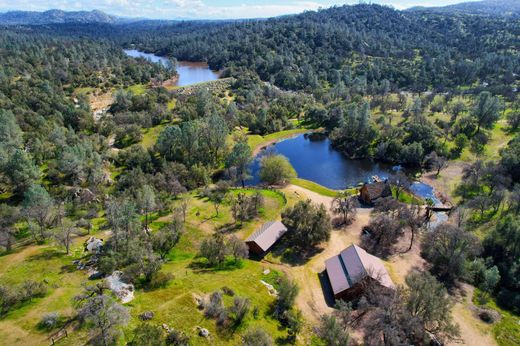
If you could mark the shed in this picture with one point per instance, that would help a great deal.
(352, 269)
(370, 193)
(265, 237)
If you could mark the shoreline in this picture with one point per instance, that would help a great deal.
(280, 136)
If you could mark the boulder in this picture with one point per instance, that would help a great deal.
(204, 332)
(93, 244)
(488, 315)
(146, 316)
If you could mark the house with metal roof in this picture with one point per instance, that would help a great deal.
(265, 237)
(354, 268)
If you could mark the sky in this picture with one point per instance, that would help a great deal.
(201, 9)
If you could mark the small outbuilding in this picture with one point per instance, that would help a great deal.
(352, 270)
(370, 193)
(265, 237)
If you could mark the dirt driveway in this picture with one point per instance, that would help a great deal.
(311, 299)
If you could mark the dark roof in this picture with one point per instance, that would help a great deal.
(352, 265)
(376, 190)
(268, 234)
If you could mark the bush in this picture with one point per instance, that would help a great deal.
(240, 309)
(215, 306)
(276, 169)
(256, 337)
(228, 291)
(177, 338)
(11, 296)
(49, 321)
(160, 280)
(147, 334)
(32, 289)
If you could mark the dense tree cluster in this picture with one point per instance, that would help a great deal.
(361, 46)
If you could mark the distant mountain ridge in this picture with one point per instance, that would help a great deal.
(506, 8)
(56, 17)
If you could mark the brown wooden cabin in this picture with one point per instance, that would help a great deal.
(370, 193)
(265, 237)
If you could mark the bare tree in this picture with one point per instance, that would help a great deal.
(8, 217)
(105, 317)
(382, 233)
(63, 234)
(435, 162)
(400, 182)
(237, 248)
(411, 216)
(345, 205)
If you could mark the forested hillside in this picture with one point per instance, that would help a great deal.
(361, 45)
(113, 176)
(501, 8)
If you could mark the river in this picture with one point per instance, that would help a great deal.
(189, 72)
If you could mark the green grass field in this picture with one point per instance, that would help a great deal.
(507, 329)
(174, 305)
(137, 89)
(256, 141)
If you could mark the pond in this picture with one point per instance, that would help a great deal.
(314, 159)
(189, 72)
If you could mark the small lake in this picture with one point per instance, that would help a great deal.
(189, 72)
(314, 159)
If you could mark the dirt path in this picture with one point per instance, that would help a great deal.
(311, 299)
(302, 193)
(472, 330)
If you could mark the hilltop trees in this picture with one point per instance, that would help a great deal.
(167, 237)
(216, 248)
(8, 218)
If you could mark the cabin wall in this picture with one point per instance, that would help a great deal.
(254, 248)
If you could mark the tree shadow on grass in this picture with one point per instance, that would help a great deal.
(68, 268)
(293, 256)
(228, 228)
(202, 266)
(47, 254)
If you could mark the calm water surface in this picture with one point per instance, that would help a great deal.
(314, 159)
(189, 72)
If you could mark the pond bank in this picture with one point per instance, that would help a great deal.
(257, 143)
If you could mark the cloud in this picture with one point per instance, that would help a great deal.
(198, 9)
(186, 3)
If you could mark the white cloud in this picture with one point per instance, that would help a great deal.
(205, 9)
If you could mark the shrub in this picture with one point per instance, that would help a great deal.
(256, 337)
(49, 321)
(276, 169)
(177, 338)
(228, 291)
(160, 280)
(240, 309)
(215, 306)
(32, 289)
